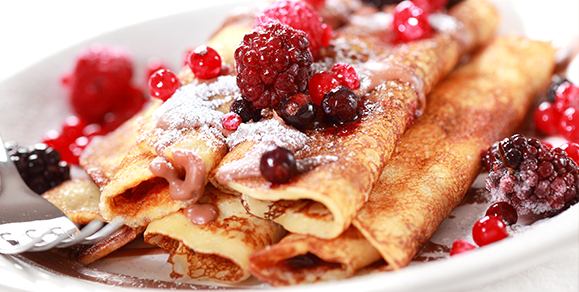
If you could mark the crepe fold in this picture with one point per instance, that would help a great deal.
(323, 200)
(430, 171)
(218, 250)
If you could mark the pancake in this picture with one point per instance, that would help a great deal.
(344, 162)
(429, 173)
(78, 199)
(218, 250)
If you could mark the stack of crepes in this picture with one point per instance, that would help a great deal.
(178, 145)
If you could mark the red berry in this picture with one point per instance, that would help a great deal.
(231, 121)
(503, 210)
(204, 62)
(298, 111)
(320, 83)
(569, 124)
(72, 127)
(410, 22)
(300, 16)
(347, 75)
(153, 65)
(272, 63)
(460, 246)
(572, 150)
(489, 229)
(278, 165)
(430, 6)
(99, 82)
(163, 83)
(546, 118)
(566, 96)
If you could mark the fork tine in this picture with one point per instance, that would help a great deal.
(49, 245)
(20, 248)
(89, 229)
(104, 232)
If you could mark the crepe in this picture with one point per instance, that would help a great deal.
(430, 172)
(218, 250)
(78, 199)
(346, 161)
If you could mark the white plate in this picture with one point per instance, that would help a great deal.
(32, 102)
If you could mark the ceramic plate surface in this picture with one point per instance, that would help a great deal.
(32, 101)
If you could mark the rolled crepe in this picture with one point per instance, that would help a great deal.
(218, 250)
(348, 160)
(430, 171)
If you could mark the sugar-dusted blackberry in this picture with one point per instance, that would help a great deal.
(298, 111)
(39, 165)
(272, 63)
(530, 176)
(245, 110)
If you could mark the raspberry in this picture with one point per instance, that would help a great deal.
(204, 62)
(320, 84)
(39, 166)
(341, 104)
(300, 16)
(531, 177)
(100, 81)
(460, 246)
(410, 22)
(489, 229)
(272, 64)
(298, 111)
(347, 75)
(163, 83)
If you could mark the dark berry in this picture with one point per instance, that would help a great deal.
(163, 83)
(298, 111)
(531, 177)
(489, 229)
(411, 22)
(341, 104)
(278, 165)
(272, 63)
(504, 211)
(39, 166)
(300, 16)
(245, 110)
(460, 246)
(381, 3)
(204, 62)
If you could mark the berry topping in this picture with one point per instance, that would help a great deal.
(231, 121)
(530, 176)
(489, 229)
(300, 16)
(572, 150)
(272, 63)
(154, 65)
(430, 6)
(546, 118)
(298, 111)
(460, 246)
(504, 211)
(569, 124)
(347, 75)
(411, 22)
(204, 62)
(100, 83)
(566, 96)
(320, 84)
(381, 3)
(163, 83)
(341, 104)
(245, 110)
(278, 165)
(39, 166)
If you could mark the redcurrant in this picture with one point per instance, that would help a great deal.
(569, 125)
(489, 229)
(163, 83)
(411, 22)
(320, 83)
(204, 62)
(546, 118)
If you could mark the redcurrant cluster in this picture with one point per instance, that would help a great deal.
(560, 114)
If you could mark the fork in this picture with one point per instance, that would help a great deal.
(28, 222)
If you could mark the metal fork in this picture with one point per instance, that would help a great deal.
(28, 222)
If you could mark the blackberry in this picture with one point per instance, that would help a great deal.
(245, 110)
(39, 165)
(272, 63)
(531, 176)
